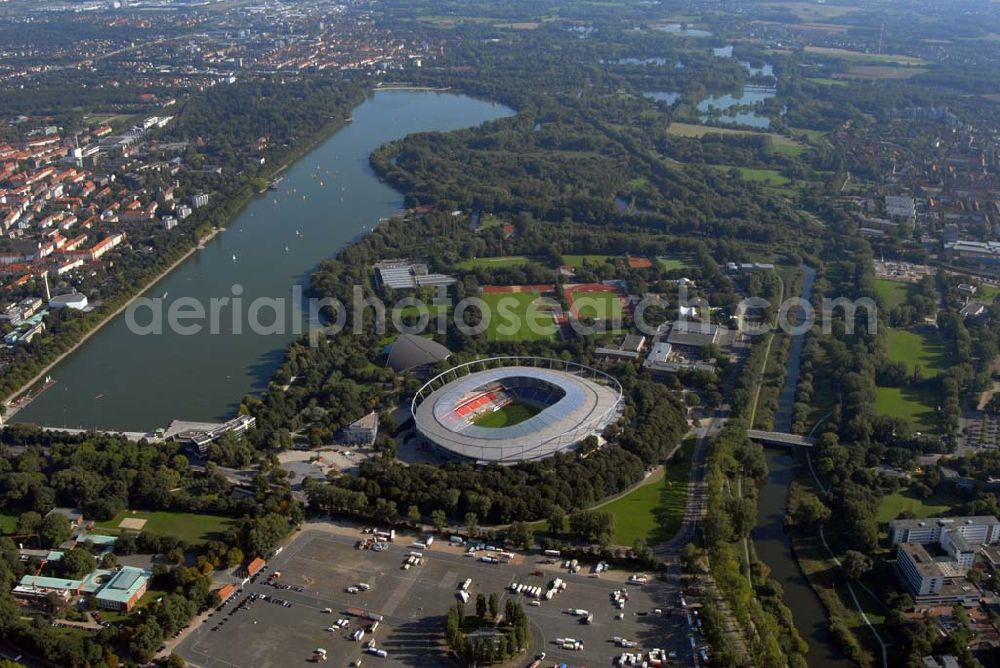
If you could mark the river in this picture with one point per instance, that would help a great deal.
(120, 380)
(772, 544)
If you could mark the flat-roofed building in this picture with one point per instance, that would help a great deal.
(362, 431)
(934, 555)
(124, 589)
(691, 334)
(978, 529)
(37, 588)
(408, 275)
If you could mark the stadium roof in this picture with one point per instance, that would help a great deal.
(410, 351)
(583, 407)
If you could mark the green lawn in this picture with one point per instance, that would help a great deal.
(792, 150)
(923, 348)
(987, 293)
(592, 260)
(892, 293)
(7, 523)
(509, 317)
(507, 416)
(189, 527)
(491, 262)
(893, 504)
(598, 305)
(671, 263)
(915, 406)
(655, 510)
(826, 81)
(770, 177)
(812, 136)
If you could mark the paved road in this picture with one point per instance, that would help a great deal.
(695, 507)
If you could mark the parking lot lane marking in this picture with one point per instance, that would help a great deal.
(397, 596)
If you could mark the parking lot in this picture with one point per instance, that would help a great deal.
(413, 604)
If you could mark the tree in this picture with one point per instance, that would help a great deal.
(521, 535)
(494, 605)
(856, 564)
(808, 511)
(28, 523)
(439, 519)
(175, 661)
(481, 606)
(556, 519)
(234, 557)
(146, 639)
(54, 530)
(413, 515)
(472, 524)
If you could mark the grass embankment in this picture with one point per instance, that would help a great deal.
(654, 510)
(853, 636)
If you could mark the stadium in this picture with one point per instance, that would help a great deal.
(507, 410)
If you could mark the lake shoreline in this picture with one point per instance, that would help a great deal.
(296, 155)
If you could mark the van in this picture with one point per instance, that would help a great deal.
(364, 586)
(456, 540)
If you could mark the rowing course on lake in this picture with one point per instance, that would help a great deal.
(121, 380)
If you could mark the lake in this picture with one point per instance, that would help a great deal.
(121, 380)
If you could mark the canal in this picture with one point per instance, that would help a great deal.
(772, 544)
(120, 380)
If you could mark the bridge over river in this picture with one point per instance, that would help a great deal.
(781, 439)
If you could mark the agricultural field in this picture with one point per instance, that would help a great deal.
(892, 293)
(883, 72)
(780, 143)
(915, 406)
(507, 416)
(510, 313)
(860, 56)
(922, 348)
(654, 510)
(189, 527)
(827, 81)
(907, 500)
(810, 11)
